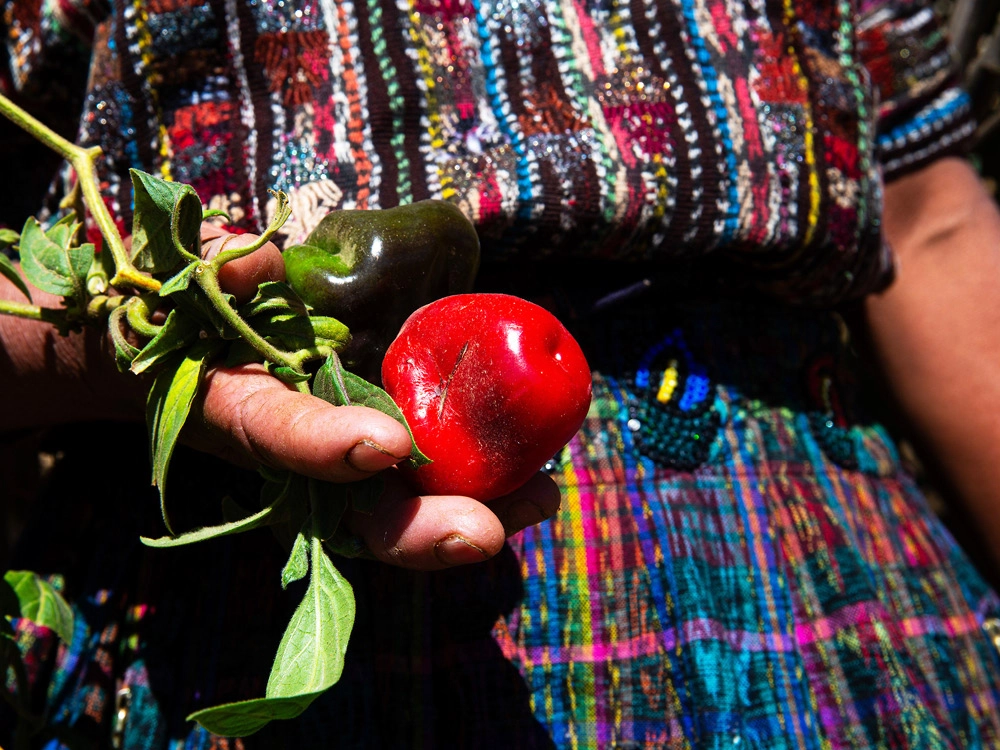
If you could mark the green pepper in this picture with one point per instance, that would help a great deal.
(371, 269)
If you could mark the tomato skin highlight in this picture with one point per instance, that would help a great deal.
(493, 386)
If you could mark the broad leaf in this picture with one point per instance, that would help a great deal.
(241, 353)
(193, 301)
(340, 387)
(51, 266)
(285, 373)
(177, 332)
(274, 297)
(293, 331)
(262, 517)
(9, 270)
(310, 658)
(39, 602)
(162, 208)
(64, 231)
(167, 408)
(311, 654)
(246, 717)
(179, 281)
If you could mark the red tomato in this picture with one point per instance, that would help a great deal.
(492, 386)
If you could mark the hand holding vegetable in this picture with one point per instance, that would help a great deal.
(231, 359)
(248, 416)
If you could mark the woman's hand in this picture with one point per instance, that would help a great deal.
(247, 416)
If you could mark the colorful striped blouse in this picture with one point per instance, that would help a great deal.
(658, 130)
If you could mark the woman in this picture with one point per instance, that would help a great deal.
(697, 189)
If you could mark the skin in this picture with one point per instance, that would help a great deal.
(246, 416)
(935, 332)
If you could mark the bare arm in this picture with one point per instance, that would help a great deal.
(936, 330)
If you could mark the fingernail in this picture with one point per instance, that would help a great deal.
(456, 550)
(369, 456)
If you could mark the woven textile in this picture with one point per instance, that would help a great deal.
(651, 130)
(789, 589)
(740, 560)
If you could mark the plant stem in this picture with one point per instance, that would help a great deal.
(32, 312)
(281, 214)
(137, 313)
(207, 278)
(82, 160)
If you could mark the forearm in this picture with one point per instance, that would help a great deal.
(936, 330)
(49, 379)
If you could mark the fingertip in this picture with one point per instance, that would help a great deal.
(535, 501)
(429, 532)
(242, 276)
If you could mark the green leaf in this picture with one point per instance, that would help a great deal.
(9, 270)
(39, 602)
(179, 281)
(311, 654)
(177, 332)
(8, 238)
(246, 717)
(340, 387)
(241, 353)
(262, 517)
(162, 209)
(64, 231)
(294, 331)
(285, 373)
(298, 561)
(53, 267)
(232, 511)
(274, 296)
(328, 501)
(194, 302)
(167, 408)
(310, 658)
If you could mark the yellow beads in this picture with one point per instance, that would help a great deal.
(668, 384)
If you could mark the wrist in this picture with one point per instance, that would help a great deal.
(51, 379)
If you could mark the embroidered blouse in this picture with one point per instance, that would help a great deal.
(658, 130)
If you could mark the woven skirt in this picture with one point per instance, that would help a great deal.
(740, 561)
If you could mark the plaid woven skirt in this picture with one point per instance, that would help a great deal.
(740, 561)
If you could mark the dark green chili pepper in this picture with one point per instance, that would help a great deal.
(371, 269)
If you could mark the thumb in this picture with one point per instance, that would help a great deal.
(241, 277)
(248, 416)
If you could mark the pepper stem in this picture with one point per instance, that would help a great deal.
(207, 278)
(83, 161)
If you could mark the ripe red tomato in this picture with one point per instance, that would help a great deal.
(492, 387)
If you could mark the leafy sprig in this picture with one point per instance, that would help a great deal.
(169, 319)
